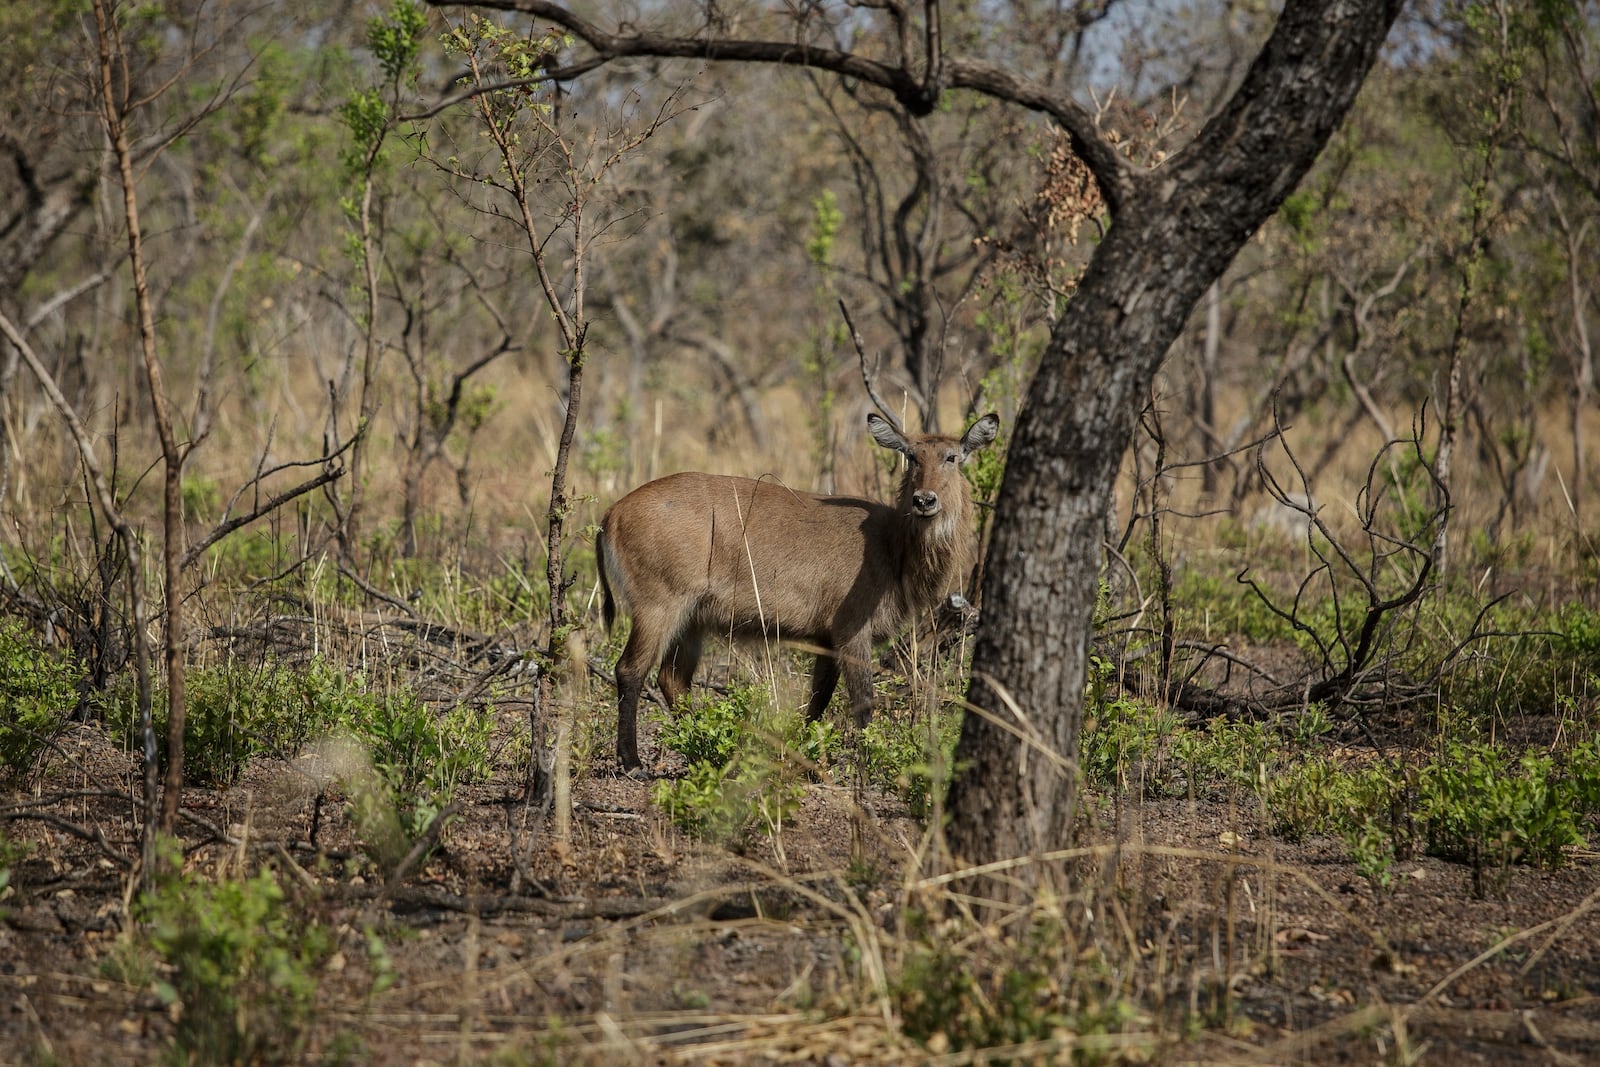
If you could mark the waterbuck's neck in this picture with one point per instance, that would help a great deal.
(937, 551)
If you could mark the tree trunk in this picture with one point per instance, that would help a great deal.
(114, 116)
(1180, 227)
(1208, 390)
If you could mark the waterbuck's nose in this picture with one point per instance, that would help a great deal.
(925, 502)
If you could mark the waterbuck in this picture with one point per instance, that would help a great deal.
(691, 555)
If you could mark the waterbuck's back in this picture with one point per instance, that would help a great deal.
(751, 557)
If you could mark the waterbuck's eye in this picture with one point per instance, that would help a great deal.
(952, 457)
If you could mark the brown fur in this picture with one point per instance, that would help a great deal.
(692, 555)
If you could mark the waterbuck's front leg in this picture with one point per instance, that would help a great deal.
(855, 659)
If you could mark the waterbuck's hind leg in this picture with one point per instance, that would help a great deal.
(628, 685)
(678, 666)
(824, 678)
(641, 654)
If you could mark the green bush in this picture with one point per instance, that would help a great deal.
(237, 711)
(1123, 734)
(38, 691)
(1315, 795)
(238, 968)
(421, 754)
(1478, 806)
(1372, 848)
(414, 758)
(748, 763)
(1578, 634)
(1473, 802)
(710, 729)
(911, 757)
(1227, 751)
(755, 792)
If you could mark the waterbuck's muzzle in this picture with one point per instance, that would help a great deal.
(924, 504)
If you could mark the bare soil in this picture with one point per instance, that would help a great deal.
(635, 944)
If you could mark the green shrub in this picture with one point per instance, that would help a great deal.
(1226, 751)
(1578, 633)
(236, 711)
(1372, 848)
(421, 754)
(1315, 795)
(748, 763)
(911, 757)
(710, 728)
(239, 969)
(694, 802)
(1473, 802)
(414, 756)
(38, 692)
(1478, 806)
(731, 804)
(1125, 734)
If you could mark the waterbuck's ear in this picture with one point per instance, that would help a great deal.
(886, 435)
(983, 431)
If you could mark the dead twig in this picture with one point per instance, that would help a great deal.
(328, 474)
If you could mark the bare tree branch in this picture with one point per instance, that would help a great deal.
(130, 544)
(919, 96)
(267, 507)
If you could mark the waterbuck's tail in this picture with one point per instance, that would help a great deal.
(608, 603)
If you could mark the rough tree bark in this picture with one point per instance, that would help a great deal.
(1174, 231)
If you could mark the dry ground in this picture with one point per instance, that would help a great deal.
(635, 944)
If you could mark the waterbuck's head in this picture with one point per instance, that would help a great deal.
(933, 490)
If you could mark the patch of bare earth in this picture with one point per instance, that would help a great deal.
(634, 944)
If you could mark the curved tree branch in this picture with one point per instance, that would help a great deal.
(919, 96)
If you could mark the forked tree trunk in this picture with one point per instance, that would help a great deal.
(1176, 232)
